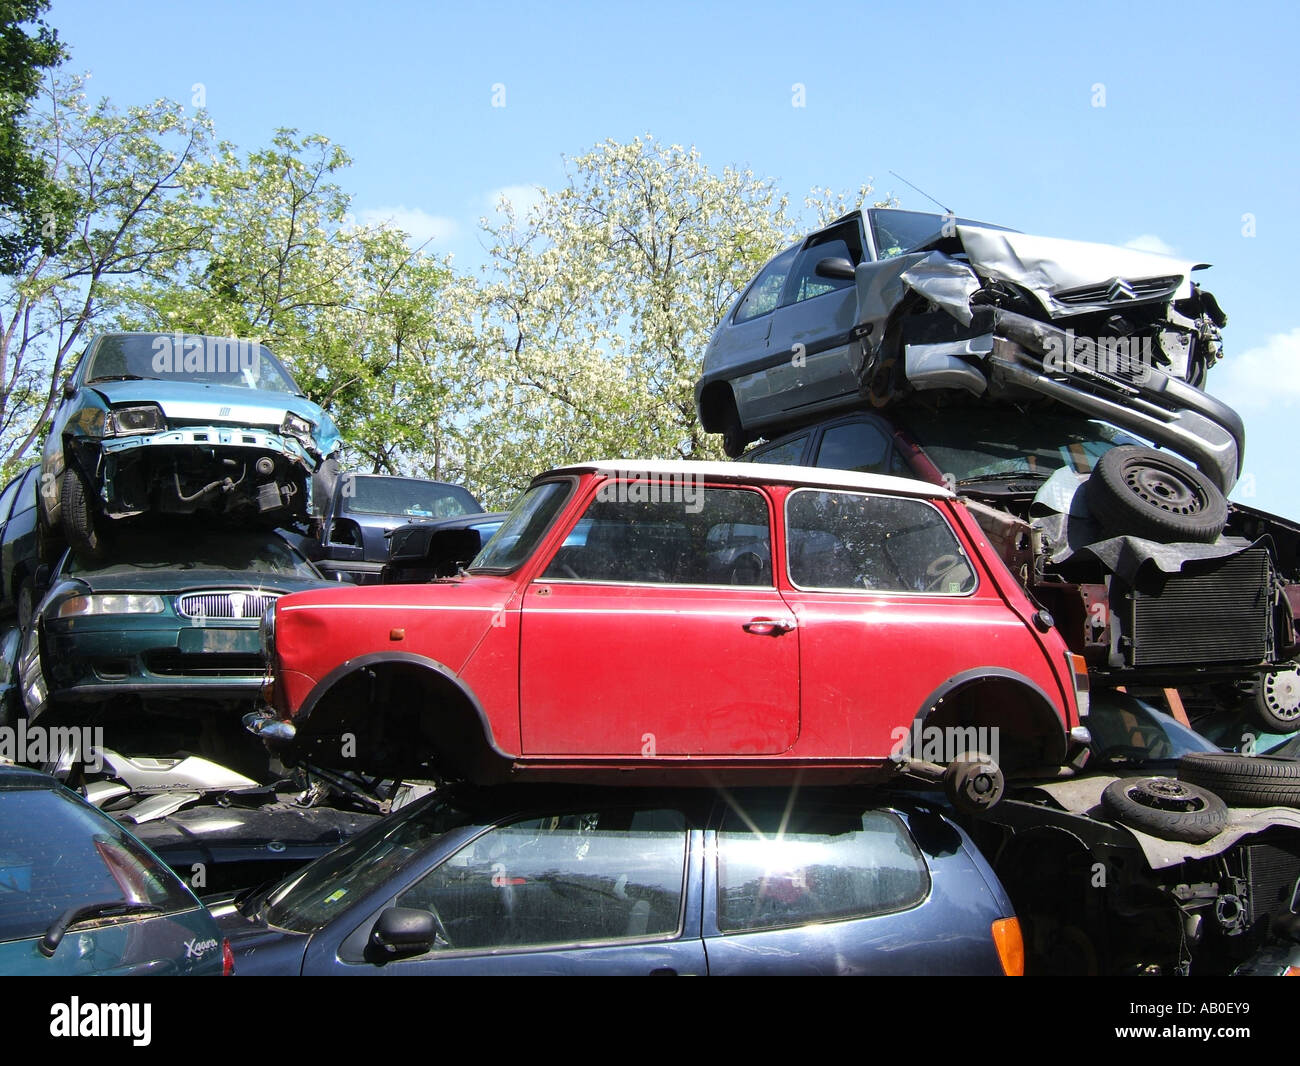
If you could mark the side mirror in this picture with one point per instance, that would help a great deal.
(402, 931)
(836, 267)
(41, 579)
(69, 389)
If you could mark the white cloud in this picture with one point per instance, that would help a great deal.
(523, 198)
(421, 225)
(1260, 376)
(1149, 242)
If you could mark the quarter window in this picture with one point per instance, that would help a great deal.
(851, 540)
(854, 446)
(561, 880)
(763, 294)
(787, 454)
(669, 533)
(780, 868)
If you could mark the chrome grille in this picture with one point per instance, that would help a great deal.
(1109, 292)
(229, 605)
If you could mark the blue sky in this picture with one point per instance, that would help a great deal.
(1168, 123)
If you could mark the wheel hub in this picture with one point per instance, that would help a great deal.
(1281, 692)
(1166, 794)
(1164, 489)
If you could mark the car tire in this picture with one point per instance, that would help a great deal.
(25, 601)
(733, 436)
(79, 517)
(1244, 780)
(1274, 704)
(1166, 808)
(1140, 492)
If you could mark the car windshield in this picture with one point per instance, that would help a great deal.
(310, 898)
(1127, 730)
(241, 552)
(406, 496)
(897, 232)
(191, 358)
(975, 444)
(523, 527)
(57, 853)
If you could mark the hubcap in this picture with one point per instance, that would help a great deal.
(1281, 692)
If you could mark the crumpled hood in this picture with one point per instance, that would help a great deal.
(194, 403)
(1047, 266)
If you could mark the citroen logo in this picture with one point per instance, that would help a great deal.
(1118, 289)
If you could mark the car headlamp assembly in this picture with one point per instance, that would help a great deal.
(266, 632)
(128, 421)
(110, 603)
(298, 427)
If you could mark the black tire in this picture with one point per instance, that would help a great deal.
(1166, 808)
(1274, 705)
(733, 436)
(80, 525)
(1244, 780)
(1141, 492)
(25, 601)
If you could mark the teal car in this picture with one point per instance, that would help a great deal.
(79, 895)
(170, 423)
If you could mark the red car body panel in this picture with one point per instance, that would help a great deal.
(582, 673)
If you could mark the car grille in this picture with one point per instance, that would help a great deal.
(1212, 612)
(225, 604)
(1273, 875)
(207, 664)
(1142, 289)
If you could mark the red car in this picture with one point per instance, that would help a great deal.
(642, 622)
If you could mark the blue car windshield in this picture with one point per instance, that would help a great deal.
(897, 232)
(190, 358)
(406, 496)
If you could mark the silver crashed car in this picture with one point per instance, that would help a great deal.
(884, 303)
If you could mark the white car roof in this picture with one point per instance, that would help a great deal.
(754, 473)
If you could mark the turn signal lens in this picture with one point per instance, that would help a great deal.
(1011, 948)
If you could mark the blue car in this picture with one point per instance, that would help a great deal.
(624, 881)
(161, 423)
(365, 508)
(79, 895)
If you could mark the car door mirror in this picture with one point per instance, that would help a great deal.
(836, 267)
(41, 580)
(401, 931)
(69, 389)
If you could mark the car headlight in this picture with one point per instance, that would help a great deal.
(297, 426)
(127, 421)
(110, 603)
(266, 632)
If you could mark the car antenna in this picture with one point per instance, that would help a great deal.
(946, 210)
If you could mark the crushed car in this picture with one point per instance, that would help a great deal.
(1157, 855)
(177, 424)
(656, 620)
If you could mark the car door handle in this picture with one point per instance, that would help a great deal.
(664, 971)
(768, 627)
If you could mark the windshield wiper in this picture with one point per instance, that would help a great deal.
(84, 912)
(1023, 475)
(115, 377)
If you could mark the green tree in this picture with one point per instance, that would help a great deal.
(599, 303)
(32, 209)
(120, 171)
(350, 309)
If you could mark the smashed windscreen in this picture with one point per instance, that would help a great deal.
(191, 358)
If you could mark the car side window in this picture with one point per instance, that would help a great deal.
(832, 863)
(787, 454)
(570, 879)
(668, 533)
(854, 540)
(762, 296)
(7, 497)
(807, 283)
(854, 446)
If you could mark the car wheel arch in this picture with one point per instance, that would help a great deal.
(460, 729)
(1030, 730)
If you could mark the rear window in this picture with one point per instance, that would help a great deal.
(778, 867)
(56, 853)
(406, 496)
